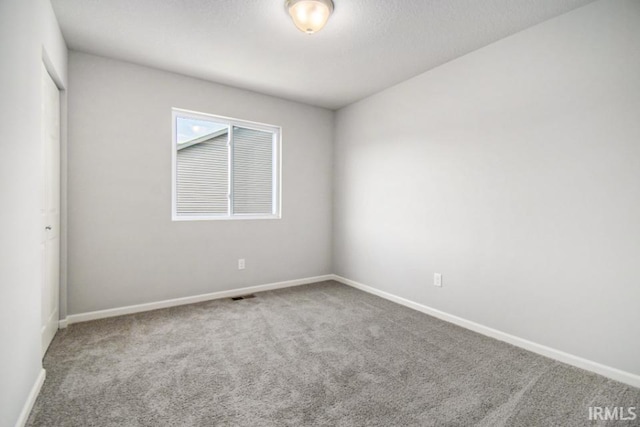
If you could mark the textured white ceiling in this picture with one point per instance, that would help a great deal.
(367, 46)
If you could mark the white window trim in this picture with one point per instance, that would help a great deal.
(277, 165)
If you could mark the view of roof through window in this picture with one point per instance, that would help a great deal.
(190, 129)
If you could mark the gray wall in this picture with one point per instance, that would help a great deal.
(26, 28)
(515, 172)
(123, 247)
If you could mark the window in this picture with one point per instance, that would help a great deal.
(224, 168)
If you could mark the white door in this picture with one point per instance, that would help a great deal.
(50, 212)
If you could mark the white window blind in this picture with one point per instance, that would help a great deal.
(224, 168)
(252, 171)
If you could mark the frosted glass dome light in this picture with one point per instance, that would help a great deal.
(309, 15)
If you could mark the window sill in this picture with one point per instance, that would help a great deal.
(224, 218)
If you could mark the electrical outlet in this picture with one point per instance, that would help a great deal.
(241, 264)
(437, 280)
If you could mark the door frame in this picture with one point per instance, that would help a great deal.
(57, 80)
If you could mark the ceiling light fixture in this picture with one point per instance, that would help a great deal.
(309, 15)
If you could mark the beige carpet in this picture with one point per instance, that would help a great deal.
(322, 354)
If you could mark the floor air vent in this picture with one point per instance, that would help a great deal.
(243, 297)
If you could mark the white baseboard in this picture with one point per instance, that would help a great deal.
(102, 314)
(31, 399)
(570, 359)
